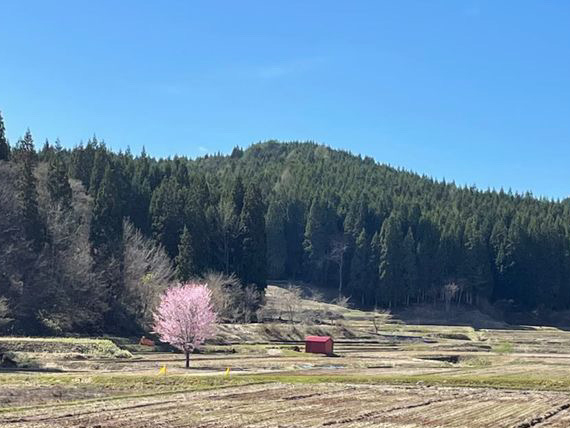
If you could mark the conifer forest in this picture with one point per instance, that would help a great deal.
(88, 236)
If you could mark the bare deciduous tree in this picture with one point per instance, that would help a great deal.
(225, 294)
(449, 292)
(290, 301)
(81, 294)
(342, 301)
(231, 300)
(376, 316)
(13, 246)
(54, 289)
(251, 298)
(147, 274)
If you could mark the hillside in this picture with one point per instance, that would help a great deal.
(282, 211)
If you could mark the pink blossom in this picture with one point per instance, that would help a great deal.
(185, 318)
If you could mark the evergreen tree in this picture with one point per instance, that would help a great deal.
(195, 204)
(360, 278)
(409, 266)
(516, 263)
(390, 268)
(106, 236)
(294, 236)
(107, 221)
(429, 258)
(376, 294)
(82, 159)
(100, 164)
(476, 268)
(141, 189)
(33, 224)
(498, 243)
(449, 253)
(185, 267)
(58, 185)
(498, 246)
(229, 225)
(237, 195)
(167, 215)
(47, 152)
(319, 230)
(253, 239)
(276, 239)
(180, 172)
(4, 146)
(231, 207)
(237, 153)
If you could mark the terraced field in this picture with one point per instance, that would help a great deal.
(398, 375)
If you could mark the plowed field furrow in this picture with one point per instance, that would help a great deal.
(544, 419)
(385, 413)
(72, 413)
(131, 416)
(320, 405)
(479, 411)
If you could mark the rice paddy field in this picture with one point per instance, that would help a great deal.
(392, 374)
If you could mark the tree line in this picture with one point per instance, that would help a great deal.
(99, 233)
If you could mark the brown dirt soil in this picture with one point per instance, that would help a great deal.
(16, 396)
(332, 405)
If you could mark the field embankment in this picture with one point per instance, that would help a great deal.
(386, 373)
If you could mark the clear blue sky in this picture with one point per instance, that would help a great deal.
(473, 91)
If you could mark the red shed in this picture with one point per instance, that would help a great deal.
(319, 345)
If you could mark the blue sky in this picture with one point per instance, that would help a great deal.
(473, 91)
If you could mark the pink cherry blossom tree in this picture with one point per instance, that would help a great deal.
(185, 318)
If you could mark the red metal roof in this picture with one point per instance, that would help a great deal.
(321, 339)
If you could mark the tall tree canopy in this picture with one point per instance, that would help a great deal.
(288, 211)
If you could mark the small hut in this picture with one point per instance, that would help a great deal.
(319, 345)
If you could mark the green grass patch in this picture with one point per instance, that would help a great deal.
(504, 347)
(112, 381)
(469, 379)
(476, 361)
(132, 386)
(176, 382)
(86, 346)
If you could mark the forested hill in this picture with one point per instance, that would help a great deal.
(384, 237)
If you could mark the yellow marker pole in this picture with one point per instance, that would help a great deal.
(228, 372)
(162, 370)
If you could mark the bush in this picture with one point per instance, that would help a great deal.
(504, 348)
(232, 301)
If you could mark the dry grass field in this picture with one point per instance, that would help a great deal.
(394, 374)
